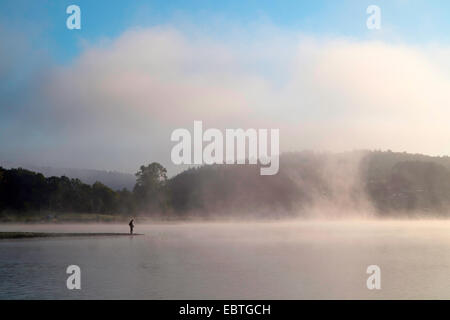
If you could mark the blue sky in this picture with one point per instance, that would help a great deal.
(107, 96)
(412, 21)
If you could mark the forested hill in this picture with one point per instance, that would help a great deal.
(384, 183)
(113, 179)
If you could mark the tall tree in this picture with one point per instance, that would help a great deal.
(150, 188)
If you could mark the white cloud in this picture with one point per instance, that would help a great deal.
(116, 105)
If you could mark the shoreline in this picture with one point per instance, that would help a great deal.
(30, 235)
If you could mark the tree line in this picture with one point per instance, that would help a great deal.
(391, 183)
(27, 191)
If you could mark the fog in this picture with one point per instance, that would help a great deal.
(115, 105)
(358, 184)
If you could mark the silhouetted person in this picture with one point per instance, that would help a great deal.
(131, 224)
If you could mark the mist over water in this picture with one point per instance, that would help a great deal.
(295, 259)
(340, 192)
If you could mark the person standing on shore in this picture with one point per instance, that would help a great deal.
(131, 224)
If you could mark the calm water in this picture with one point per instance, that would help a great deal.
(289, 260)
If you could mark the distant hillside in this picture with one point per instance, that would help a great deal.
(112, 179)
(310, 183)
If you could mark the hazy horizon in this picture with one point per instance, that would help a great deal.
(173, 170)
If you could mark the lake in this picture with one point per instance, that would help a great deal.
(232, 260)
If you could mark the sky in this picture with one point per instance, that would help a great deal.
(109, 95)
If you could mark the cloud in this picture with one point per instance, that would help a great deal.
(115, 106)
